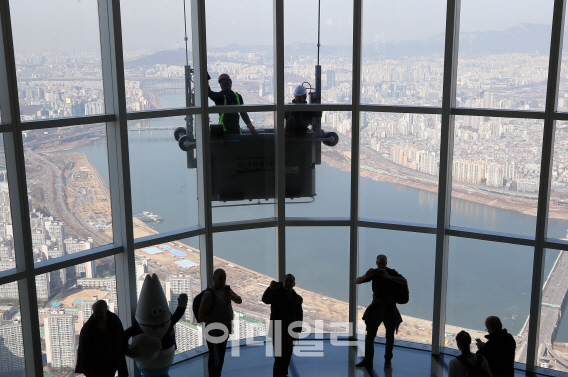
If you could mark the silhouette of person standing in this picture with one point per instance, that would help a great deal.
(285, 309)
(382, 310)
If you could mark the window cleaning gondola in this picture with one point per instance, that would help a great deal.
(243, 164)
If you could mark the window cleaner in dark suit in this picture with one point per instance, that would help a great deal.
(297, 122)
(385, 282)
(229, 121)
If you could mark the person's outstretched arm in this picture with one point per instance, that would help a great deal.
(365, 278)
(246, 118)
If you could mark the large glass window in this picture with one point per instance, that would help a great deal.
(69, 198)
(7, 257)
(154, 53)
(558, 205)
(163, 177)
(488, 279)
(239, 43)
(503, 54)
(402, 53)
(553, 337)
(411, 255)
(64, 299)
(319, 258)
(496, 174)
(318, 187)
(177, 265)
(58, 58)
(335, 54)
(250, 267)
(11, 340)
(400, 157)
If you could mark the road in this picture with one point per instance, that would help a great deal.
(554, 292)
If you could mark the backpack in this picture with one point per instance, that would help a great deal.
(401, 294)
(197, 303)
(473, 370)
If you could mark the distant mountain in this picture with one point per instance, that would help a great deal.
(523, 38)
(169, 57)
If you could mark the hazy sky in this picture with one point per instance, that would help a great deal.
(158, 24)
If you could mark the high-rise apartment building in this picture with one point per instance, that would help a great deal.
(60, 344)
(330, 79)
(188, 336)
(11, 349)
(175, 286)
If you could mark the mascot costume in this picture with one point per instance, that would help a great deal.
(154, 343)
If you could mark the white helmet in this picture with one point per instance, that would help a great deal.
(300, 90)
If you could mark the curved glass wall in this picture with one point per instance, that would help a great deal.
(450, 162)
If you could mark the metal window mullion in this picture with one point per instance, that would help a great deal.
(445, 181)
(118, 160)
(355, 142)
(545, 176)
(280, 144)
(65, 122)
(199, 51)
(15, 165)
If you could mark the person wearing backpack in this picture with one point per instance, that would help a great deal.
(468, 364)
(499, 350)
(229, 121)
(389, 288)
(216, 309)
(285, 310)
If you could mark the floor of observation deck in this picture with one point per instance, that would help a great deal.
(329, 360)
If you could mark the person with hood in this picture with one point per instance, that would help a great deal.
(499, 350)
(102, 344)
(297, 122)
(229, 121)
(285, 309)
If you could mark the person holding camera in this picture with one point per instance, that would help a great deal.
(285, 309)
(218, 312)
(499, 350)
(385, 284)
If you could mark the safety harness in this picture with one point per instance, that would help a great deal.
(221, 118)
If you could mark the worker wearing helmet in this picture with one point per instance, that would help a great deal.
(229, 121)
(297, 122)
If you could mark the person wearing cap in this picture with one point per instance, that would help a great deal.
(297, 122)
(230, 121)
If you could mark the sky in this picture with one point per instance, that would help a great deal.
(159, 25)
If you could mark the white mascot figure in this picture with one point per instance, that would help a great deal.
(153, 336)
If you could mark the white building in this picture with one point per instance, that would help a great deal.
(60, 342)
(175, 286)
(188, 336)
(11, 348)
